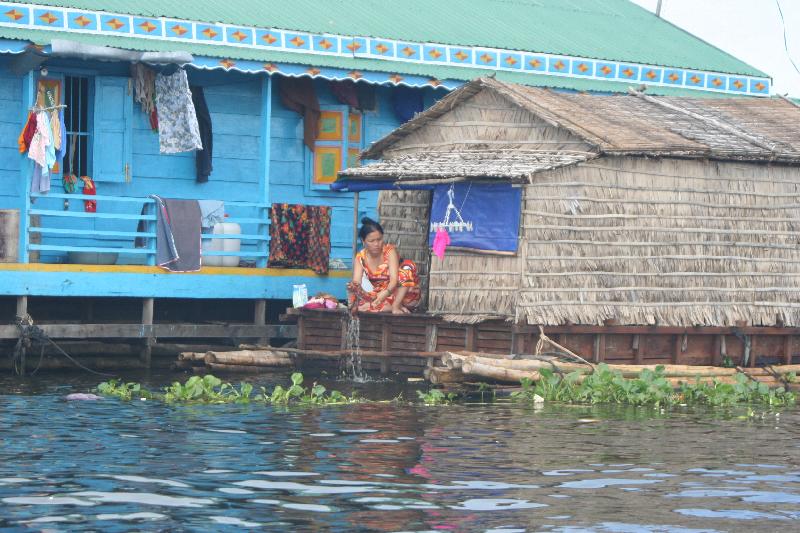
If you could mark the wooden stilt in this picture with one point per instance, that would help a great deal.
(22, 313)
(787, 350)
(676, 349)
(753, 352)
(260, 319)
(431, 331)
(638, 352)
(471, 338)
(386, 344)
(147, 320)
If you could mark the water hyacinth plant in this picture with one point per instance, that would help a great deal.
(211, 389)
(651, 387)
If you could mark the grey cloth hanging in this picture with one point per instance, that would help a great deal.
(178, 130)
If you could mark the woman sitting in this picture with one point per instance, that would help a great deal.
(395, 284)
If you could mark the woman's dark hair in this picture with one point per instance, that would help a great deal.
(368, 226)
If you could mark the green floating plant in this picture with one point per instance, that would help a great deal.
(651, 387)
(211, 389)
(436, 397)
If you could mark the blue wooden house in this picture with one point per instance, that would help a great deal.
(77, 56)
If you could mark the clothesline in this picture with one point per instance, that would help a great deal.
(37, 108)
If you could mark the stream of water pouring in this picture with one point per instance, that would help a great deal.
(351, 363)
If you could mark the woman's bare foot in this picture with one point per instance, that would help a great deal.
(400, 311)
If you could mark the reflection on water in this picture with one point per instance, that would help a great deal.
(113, 466)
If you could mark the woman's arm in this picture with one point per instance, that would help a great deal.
(394, 268)
(358, 270)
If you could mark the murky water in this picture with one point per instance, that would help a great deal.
(114, 466)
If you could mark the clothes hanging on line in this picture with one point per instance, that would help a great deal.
(177, 234)
(203, 157)
(298, 95)
(300, 236)
(178, 130)
(25, 138)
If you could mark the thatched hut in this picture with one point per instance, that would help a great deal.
(635, 210)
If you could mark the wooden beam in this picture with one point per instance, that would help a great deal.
(471, 338)
(638, 349)
(141, 331)
(787, 350)
(260, 318)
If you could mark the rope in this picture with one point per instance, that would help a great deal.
(544, 338)
(28, 332)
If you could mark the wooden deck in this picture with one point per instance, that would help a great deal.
(401, 342)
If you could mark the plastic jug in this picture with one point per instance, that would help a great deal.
(223, 245)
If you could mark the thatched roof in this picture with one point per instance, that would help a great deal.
(512, 165)
(744, 129)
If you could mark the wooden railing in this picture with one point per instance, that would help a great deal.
(120, 221)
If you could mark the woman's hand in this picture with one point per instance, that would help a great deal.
(381, 297)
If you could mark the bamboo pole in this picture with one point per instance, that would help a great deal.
(439, 375)
(249, 358)
(239, 369)
(495, 372)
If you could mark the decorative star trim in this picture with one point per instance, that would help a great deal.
(179, 30)
(313, 71)
(48, 18)
(326, 44)
(738, 84)
(674, 76)
(627, 72)
(535, 63)
(227, 63)
(408, 51)
(716, 82)
(583, 67)
(355, 46)
(269, 38)
(115, 23)
(461, 55)
(270, 67)
(356, 75)
(436, 54)
(82, 21)
(381, 48)
(396, 78)
(14, 15)
(651, 75)
(694, 79)
(760, 86)
(559, 65)
(210, 33)
(148, 26)
(510, 61)
(297, 41)
(239, 36)
(486, 58)
(605, 69)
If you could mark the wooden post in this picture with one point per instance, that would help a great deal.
(355, 224)
(22, 312)
(431, 331)
(716, 351)
(753, 355)
(471, 337)
(787, 350)
(386, 344)
(301, 332)
(676, 349)
(599, 348)
(260, 319)
(638, 352)
(147, 320)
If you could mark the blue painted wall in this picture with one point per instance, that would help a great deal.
(239, 111)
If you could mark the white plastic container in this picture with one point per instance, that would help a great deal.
(223, 245)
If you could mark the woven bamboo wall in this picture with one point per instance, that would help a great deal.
(487, 120)
(405, 216)
(669, 242)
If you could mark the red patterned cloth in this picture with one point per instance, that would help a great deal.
(300, 236)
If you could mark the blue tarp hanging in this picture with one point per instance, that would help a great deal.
(477, 216)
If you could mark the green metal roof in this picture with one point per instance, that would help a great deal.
(427, 71)
(599, 29)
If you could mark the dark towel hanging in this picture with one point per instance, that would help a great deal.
(406, 102)
(345, 92)
(203, 158)
(298, 95)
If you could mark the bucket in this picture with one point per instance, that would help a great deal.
(223, 245)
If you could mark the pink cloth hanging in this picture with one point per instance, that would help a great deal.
(440, 242)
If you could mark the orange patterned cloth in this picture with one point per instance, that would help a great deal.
(406, 277)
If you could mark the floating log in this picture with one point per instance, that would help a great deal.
(249, 358)
(438, 375)
(496, 372)
(192, 356)
(240, 369)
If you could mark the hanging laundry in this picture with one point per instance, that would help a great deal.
(178, 130)
(204, 156)
(40, 179)
(37, 149)
(300, 236)
(61, 151)
(55, 128)
(26, 135)
(345, 92)
(440, 242)
(90, 206)
(367, 98)
(177, 234)
(298, 95)
(144, 87)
